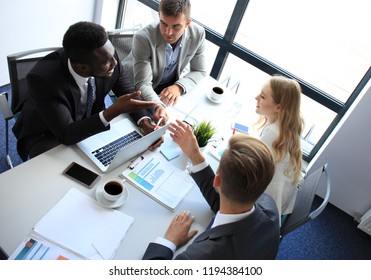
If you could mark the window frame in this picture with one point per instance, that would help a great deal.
(226, 46)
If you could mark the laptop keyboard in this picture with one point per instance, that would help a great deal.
(106, 153)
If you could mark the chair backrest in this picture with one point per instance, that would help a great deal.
(122, 40)
(303, 212)
(3, 255)
(19, 65)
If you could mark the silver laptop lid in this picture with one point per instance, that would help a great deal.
(117, 130)
(134, 149)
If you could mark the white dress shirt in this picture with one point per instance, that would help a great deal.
(82, 83)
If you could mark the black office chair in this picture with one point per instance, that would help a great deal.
(3, 255)
(122, 41)
(303, 212)
(7, 115)
(19, 65)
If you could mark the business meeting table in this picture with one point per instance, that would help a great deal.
(30, 190)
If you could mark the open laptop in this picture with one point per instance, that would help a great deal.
(116, 146)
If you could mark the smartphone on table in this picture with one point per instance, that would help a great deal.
(240, 127)
(81, 174)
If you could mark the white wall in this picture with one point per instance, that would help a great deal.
(28, 24)
(348, 152)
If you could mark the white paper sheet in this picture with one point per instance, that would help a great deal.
(80, 224)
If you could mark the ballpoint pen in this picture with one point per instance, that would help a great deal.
(158, 123)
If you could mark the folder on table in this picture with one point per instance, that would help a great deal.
(160, 180)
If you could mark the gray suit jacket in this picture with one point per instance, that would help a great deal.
(255, 237)
(146, 62)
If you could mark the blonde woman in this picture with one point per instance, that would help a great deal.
(280, 126)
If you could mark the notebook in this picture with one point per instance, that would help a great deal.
(116, 146)
(159, 179)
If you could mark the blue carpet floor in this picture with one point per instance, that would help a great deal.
(332, 236)
(12, 140)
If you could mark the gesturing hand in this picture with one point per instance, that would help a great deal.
(183, 135)
(127, 103)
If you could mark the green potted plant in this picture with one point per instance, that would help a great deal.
(203, 132)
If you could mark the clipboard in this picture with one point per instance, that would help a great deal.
(160, 180)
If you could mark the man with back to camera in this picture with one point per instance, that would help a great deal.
(162, 50)
(246, 224)
(56, 110)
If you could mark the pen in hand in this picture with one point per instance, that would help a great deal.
(158, 123)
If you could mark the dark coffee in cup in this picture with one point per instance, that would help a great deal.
(217, 93)
(113, 188)
(218, 90)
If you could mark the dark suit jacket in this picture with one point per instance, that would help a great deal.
(54, 99)
(255, 237)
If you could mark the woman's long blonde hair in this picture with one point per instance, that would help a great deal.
(287, 93)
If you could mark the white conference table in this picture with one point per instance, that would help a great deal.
(31, 189)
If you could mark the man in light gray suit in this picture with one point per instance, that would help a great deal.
(160, 53)
(246, 224)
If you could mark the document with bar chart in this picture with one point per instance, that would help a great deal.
(35, 247)
(159, 179)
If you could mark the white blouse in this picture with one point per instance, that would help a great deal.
(280, 188)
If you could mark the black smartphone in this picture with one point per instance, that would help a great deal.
(81, 174)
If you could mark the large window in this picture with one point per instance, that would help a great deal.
(323, 44)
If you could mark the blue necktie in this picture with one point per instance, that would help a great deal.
(210, 224)
(90, 99)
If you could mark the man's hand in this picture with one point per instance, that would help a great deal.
(178, 231)
(182, 134)
(147, 127)
(126, 104)
(171, 94)
(160, 112)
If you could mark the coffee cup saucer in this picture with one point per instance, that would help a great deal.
(217, 101)
(110, 204)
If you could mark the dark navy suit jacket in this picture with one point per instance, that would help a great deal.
(54, 99)
(255, 237)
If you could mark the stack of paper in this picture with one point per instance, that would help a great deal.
(78, 224)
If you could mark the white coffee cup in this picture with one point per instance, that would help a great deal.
(216, 93)
(113, 189)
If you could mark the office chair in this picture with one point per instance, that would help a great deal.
(234, 87)
(19, 64)
(7, 115)
(122, 40)
(303, 212)
(3, 255)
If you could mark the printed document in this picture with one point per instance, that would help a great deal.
(160, 180)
